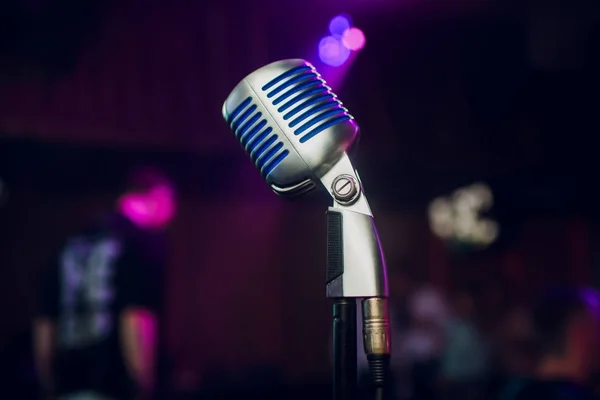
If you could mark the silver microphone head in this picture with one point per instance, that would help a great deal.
(291, 124)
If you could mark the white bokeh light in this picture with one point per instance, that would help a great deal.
(459, 216)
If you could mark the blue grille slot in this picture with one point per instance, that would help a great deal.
(259, 150)
(286, 74)
(301, 96)
(239, 120)
(275, 162)
(336, 111)
(246, 138)
(252, 144)
(321, 128)
(296, 89)
(238, 109)
(302, 77)
(312, 111)
(261, 161)
(244, 128)
(310, 102)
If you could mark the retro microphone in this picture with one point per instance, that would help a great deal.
(297, 133)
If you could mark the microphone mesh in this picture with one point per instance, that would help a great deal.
(308, 105)
(301, 99)
(257, 137)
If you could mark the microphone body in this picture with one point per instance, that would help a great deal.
(297, 133)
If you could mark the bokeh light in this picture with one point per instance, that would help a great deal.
(332, 52)
(460, 216)
(154, 209)
(339, 24)
(354, 39)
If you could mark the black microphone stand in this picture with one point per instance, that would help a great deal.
(345, 369)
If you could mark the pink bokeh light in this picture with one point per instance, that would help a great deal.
(153, 209)
(354, 39)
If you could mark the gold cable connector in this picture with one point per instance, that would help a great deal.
(377, 338)
(376, 326)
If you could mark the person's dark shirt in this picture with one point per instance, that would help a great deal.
(97, 275)
(532, 389)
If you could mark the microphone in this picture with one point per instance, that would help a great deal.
(291, 124)
(297, 133)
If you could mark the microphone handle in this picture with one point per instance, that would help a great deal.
(356, 269)
(355, 262)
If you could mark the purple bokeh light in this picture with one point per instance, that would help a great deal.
(332, 52)
(339, 24)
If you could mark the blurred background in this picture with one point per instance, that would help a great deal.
(494, 99)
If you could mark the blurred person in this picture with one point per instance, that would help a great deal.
(505, 330)
(516, 342)
(566, 325)
(465, 355)
(422, 344)
(96, 336)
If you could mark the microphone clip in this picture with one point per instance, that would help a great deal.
(355, 262)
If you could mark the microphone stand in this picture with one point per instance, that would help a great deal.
(355, 270)
(345, 369)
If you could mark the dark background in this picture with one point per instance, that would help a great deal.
(446, 94)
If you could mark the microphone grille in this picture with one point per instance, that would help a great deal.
(276, 110)
(256, 136)
(305, 102)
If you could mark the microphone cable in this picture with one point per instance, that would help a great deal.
(379, 365)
